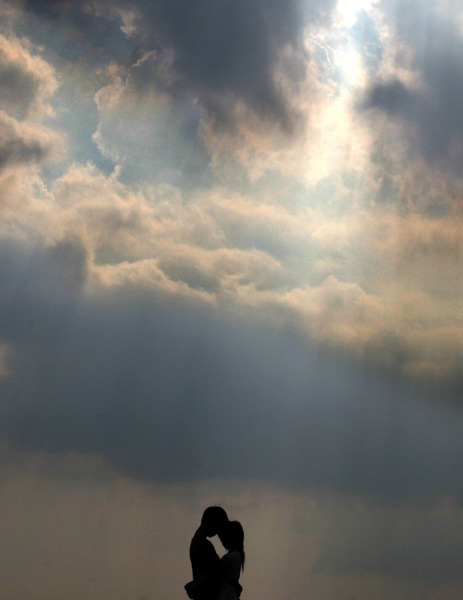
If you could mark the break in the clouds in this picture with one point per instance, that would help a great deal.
(133, 127)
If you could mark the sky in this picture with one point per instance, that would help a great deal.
(231, 250)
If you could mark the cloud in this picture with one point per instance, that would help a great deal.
(23, 144)
(26, 84)
(163, 388)
(220, 53)
(332, 276)
(305, 258)
(428, 101)
(339, 311)
(26, 80)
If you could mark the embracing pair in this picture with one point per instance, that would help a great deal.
(216, 578)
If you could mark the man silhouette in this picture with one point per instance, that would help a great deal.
(205, 561)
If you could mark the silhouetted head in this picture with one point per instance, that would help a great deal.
(214, 520)
(232, 538)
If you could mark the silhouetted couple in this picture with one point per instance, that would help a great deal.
(216, 578)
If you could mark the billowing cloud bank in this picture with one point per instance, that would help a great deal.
(169, 392)
(130, 278)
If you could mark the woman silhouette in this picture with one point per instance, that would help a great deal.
(232, 538)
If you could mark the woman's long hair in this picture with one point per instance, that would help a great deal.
(232, 538)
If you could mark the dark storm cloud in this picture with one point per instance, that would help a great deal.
(222, 51)
(432, 111)
(169, 391)
(393, 97)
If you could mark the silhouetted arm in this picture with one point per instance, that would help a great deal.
(220, 573)
(207, 577)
